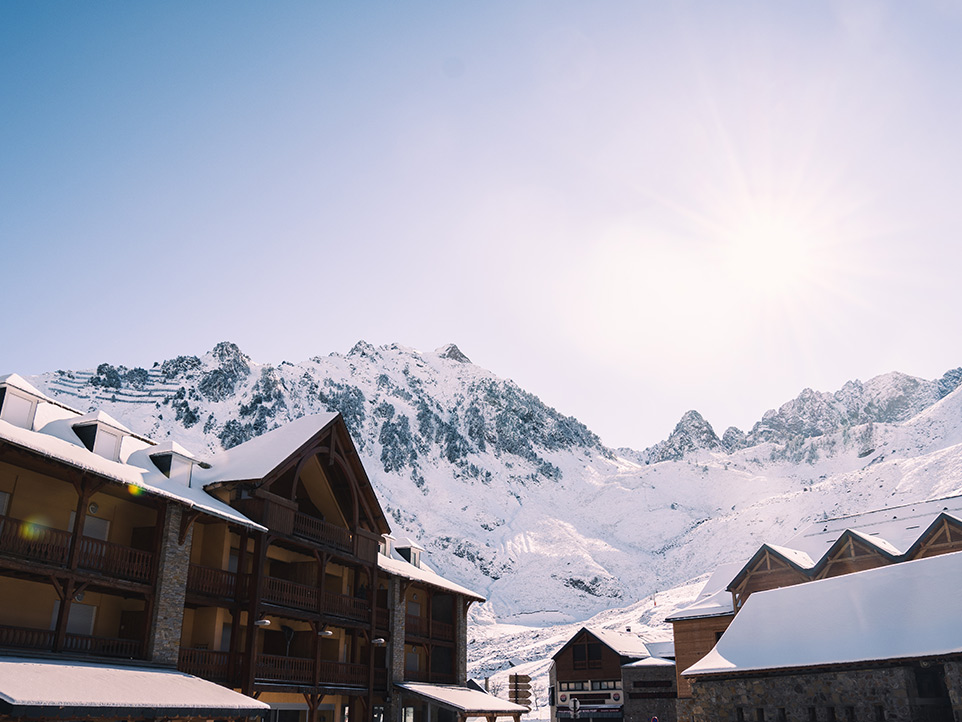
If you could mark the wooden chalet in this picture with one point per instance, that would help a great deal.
(266, 572)
(588, 678)
(823, 550)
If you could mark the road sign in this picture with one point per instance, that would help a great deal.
(519, 689)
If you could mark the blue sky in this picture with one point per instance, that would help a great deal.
(632, 209)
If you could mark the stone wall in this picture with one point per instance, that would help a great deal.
(649, 692)
(866, 695)
(172, 568)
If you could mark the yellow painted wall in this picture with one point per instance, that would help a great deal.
(26, 604)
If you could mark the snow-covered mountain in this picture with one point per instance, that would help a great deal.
(526, 505)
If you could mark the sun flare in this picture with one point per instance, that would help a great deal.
(769, 254)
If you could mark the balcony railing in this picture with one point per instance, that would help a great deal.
(415, 626)
(23, 638)
(290, 594)
(34, 541)
(300, 671)
(43, 639)
(212, 582)
(208, 664)
(383, 620)
(294, 670)
(322, 532)
(345, 606)
(52, 546)
(115, 560)
(442, 630)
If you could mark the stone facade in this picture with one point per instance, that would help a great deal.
(884, 693)
(173, 565)
(461, 639)
(649, 692)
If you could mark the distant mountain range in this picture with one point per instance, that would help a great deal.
(526, 505)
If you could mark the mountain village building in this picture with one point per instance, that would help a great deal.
(600, 675)
(848, 620)
(139, 582)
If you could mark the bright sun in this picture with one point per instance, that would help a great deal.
(772, 255)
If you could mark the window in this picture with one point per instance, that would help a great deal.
(604, 684)
(850, 714)
(831, 714)
(4, 503)
(80, 618)
(16, 409)
(812, 714)
(760, 714)
(587, 656)
(782, 717)
(879, 713)
(740, 714)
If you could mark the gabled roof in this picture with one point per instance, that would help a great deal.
(100, 417)
(900, 611)
(258, 457)
(622, 644)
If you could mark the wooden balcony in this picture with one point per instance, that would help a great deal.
(52, 546)
(415, 626)
(322, 532)
(341, 605)
(299, 671)
(383, 620)
(115, 560)
(33, 541)
(442, 630)
(290, 594)
(211, 665)
(212, 582)
(43, 640)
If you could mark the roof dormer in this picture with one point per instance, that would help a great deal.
(18, 401)
(173, 461)
(101, 434)
(410, 551)
(386, 544)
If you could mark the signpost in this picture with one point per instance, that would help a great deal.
(519, 689)
(575, 706)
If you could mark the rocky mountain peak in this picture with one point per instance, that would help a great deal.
(450, 351)
(692, 432)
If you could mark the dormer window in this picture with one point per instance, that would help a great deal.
(173, 461)
(100, 440)
(411, 554)
(17, 409)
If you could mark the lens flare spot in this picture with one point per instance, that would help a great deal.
(135, 490)
(33, 528)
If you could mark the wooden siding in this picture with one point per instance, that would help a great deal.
(694, 638)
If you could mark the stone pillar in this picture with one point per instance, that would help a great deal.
(398, 610)
(953, 681)
(170, 589)
(461, 639)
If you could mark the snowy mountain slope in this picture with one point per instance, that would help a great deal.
(526, 505)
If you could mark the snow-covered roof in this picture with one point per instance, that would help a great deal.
(664, 649)
(795, 556)
(469, 702)
(898, 526)
(17, 381)
(34, 687)
(402, 568)
(100, 417)
(256, 458)
(651, 662)
(901, 611)
(171, 447)
(627, 645)
(714, 599)
(139, 472)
